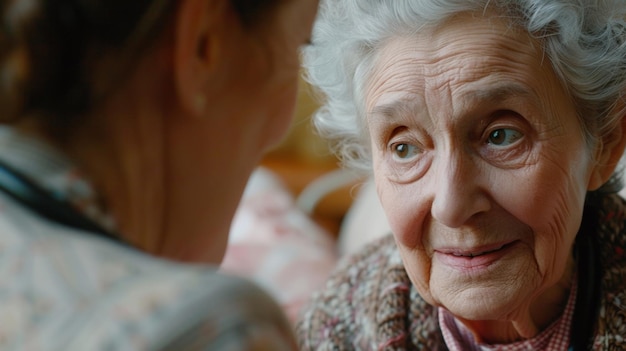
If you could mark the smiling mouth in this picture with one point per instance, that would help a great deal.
(478, 253)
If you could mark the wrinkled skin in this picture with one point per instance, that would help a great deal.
(482, 169)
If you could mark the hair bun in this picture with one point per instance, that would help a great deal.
(14, 73)
(41, 54)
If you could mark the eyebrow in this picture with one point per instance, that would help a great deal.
(500, 93)
(395, 109)
(401, 107)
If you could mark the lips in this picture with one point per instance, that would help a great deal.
(475, 259)
(472, 254)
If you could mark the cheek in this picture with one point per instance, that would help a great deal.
(280, 113)
(549, 198)
(406, 218)
(404, 210)
(397, 208)
(418, 265)
(398, 202)
(272, 92)
(556, 224)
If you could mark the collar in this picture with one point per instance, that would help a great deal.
(554, 338)
(53, 172)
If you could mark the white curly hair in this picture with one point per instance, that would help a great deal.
(584, 40)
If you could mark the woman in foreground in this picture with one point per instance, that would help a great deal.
(493, 130)
(131, 128)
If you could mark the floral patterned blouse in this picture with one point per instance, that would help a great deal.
(65, 289)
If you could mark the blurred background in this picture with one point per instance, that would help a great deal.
(303, 156)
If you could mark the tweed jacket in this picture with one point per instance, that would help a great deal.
(369, 302)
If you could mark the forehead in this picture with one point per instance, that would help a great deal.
(463, 56)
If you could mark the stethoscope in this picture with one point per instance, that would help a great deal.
(32, 196)
(29, 194)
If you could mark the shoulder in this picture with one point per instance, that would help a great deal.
(612, 222)
(612, 246)
(367, 302)
(67, 290)
(611, 235)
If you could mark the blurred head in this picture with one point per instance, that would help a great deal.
(166, 105)
(486, 123)
(59, 59)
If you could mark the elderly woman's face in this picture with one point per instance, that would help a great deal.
(480, 164)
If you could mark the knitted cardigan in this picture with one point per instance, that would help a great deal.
(369, 303)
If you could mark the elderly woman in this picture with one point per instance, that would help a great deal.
(131, 128)
(493, 129)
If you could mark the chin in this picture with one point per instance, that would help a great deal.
(485, 303)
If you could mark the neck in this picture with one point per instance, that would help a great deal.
(123, 159)
(209, 163)
(119, 147)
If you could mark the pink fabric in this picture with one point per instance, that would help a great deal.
(555, 338)
(277, 245)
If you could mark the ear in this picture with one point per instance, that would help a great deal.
(610, 152)
(196, 50)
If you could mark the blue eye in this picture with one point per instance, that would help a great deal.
(405, 151)
(503, 137)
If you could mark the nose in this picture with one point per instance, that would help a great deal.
(457, 194)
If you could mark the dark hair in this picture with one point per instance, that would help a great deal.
(50, 48)
(252, 11)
